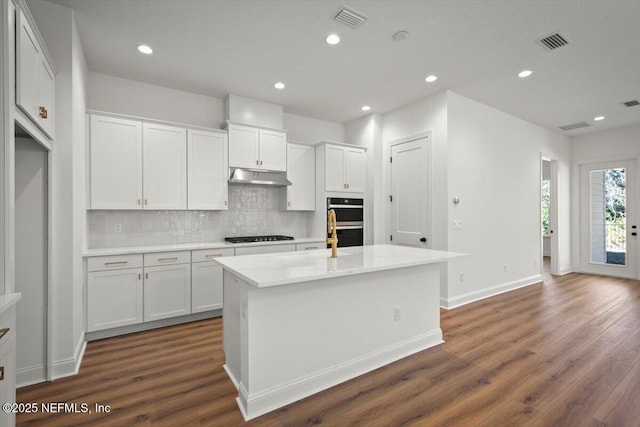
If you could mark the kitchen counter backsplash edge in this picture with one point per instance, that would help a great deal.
(189, 246)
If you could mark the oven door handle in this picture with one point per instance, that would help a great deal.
(349, 227)
(346, 207)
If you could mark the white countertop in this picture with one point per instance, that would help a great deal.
(294, 267)
(190, 246)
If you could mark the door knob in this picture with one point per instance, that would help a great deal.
(423, 240)
(634, 227)
(634, 234)
(551, 231)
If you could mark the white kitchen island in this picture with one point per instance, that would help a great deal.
(298, 323)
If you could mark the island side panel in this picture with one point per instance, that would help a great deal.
(306, 337)
(234, 298)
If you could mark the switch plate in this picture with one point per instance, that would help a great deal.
(117, 228)
(457, 224)
(396, 313)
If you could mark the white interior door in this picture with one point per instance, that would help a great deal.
(409, 194)
(608, 228)
(31, 209)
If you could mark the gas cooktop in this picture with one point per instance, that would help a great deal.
(254, 239)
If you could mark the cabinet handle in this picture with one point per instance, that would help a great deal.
(43, 112)
(213, 255)
(257, 162)
(1, 373)
(175, 258)
(115, 262)
(260, 162)
(288, 203)
(146, 275)
(145, 202)
(225, 203)
(138, 202)
(139, 276)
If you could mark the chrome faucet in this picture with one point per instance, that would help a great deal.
(331, 225)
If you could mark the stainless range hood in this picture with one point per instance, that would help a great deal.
(259, 177)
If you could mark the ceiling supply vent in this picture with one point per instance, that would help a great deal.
(350, 17)
(631, 103)
(553, 41)
(575, 126)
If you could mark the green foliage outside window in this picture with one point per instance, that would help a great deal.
(546, 202)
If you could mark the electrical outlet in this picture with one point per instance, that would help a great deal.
(535, 263)
(117, 228)
(396, 313)
(504, 267)
(194, 226)
(457, 224)
(461, 276)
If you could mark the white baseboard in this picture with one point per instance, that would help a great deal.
(67, 367)
(30, 375)
(460, 300)
(566, 270)
(256, 404)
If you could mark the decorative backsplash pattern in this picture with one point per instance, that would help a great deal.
(253, 210)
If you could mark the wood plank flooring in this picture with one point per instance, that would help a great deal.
(565, 352)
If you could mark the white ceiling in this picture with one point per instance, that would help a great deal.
(476, 48)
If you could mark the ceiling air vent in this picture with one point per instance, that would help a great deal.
(553, 41)
(632, 103)
(350, 17)
(575, 126)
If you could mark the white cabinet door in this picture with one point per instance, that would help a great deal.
(46, 82)
(243, 146)
(355, 170)
(273, 150)
(27, 61)
(8, 384)
(301, 171)
(164, 166)
(34, 78)
(114, 298)
(167, 291)
(115, 163)
(334, 167)
(207, 170)
(206, 286)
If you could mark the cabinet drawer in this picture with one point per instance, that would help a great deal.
(114, 262)
(202, 255)
(311, 245)
(164, 258)
(267, 249)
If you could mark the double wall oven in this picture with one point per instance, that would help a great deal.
(349, 220)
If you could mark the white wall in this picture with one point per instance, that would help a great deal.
(494, 167)
(306, 129)
(617, 144)
(57, 25)
(123, 96)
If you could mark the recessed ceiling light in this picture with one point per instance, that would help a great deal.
(143, 48)
(400, 36)
(279, 85)
(597, 119)
(333, 39)
(366, 108)
(525, 73)
(431, 78)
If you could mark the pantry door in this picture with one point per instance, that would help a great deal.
(608, 221)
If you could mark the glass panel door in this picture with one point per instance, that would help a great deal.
(607, 224)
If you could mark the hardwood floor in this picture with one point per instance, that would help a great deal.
(562, 353)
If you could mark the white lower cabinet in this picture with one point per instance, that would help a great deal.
(8, 365)
(114, 298)
(310, 246)
(167, 291)
(206, 279)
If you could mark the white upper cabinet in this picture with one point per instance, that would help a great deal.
(35, 79)
(115, 163)
(344, 168)
(255, 148)
(301, 171)
(164, 160)
(207, 181)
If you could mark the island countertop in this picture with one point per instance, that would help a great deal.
(286, 268)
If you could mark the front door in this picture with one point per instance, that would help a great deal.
(608, 228)
(409, 193)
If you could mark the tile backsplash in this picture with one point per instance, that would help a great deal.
(253, 210)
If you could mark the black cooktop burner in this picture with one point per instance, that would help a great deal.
(253, 239)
